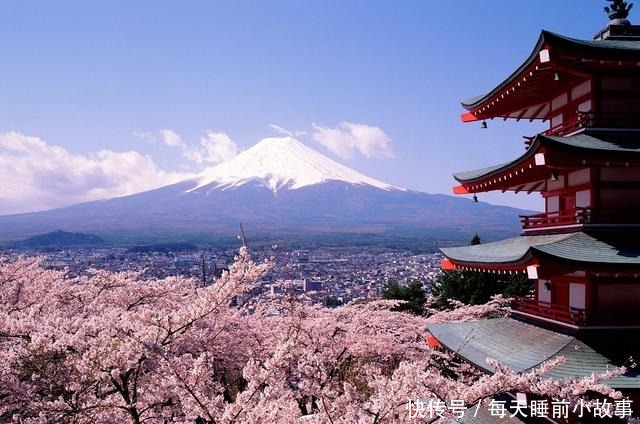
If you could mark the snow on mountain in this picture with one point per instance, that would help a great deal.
(281, 162)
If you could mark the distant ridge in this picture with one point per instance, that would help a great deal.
(60, 238)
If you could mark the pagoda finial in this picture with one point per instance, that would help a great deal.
(619, 11)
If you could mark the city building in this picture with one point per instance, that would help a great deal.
(582, 254)
(311, 285)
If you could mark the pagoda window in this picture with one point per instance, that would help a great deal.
(553, 204)
(577, 295)
(544, 292)
(583, 198)
(556, 121)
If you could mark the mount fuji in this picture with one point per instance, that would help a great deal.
(281, 187)
(282, 163)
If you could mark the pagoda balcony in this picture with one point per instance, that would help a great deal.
(582, 120)
(576, 219)
(550, 311)
(544, 221)
(603, 317)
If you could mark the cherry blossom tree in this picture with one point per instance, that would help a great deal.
(113, 347)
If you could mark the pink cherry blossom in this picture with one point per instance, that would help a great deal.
(112, 347)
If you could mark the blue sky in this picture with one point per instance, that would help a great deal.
(87, 87)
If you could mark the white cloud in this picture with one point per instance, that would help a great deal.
(217, 147)
(284, 131)
(349, 138)
(214, 147)
(172, 139)
(36, 175)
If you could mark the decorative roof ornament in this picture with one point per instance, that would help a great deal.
(619, 11)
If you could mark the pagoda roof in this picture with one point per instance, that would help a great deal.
(590, 140)
(529, 86)
(477, 174)
(612, 141)
(523, 347)
(508, 251)
(602, 247)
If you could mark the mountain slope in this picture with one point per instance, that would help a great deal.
(280, 186)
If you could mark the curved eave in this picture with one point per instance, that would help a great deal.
(612, 248)
(520, 172)
(479, 175)
(512, 253)
(478, 101)
(495, 268)
(598, 141)
(527, 171)
(628, 50)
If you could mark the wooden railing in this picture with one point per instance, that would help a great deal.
(556, 219)
(623, 315)
(578, 217)
(593, 120)
(568, 126)
(562, 313)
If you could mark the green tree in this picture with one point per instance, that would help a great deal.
(332, 302)
(475, 288)
(413, 294)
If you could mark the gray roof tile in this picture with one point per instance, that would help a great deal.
(523, 347)
(503, 251)
(618, 47)
(595, 140)
(610, 247)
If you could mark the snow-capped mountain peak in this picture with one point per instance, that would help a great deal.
(282, 162)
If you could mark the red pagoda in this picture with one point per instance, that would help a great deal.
(582, 254)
